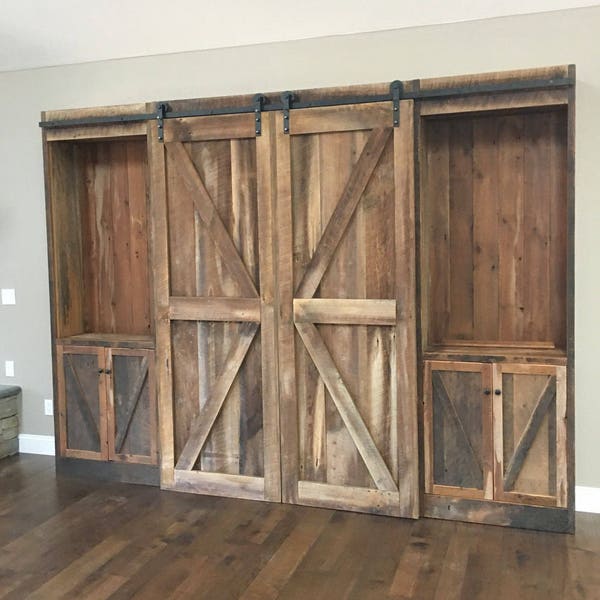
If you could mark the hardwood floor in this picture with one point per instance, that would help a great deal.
(73, 538)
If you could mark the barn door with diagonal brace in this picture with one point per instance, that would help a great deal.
(346, 290)
(220, 310)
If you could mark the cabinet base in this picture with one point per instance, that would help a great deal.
(108, 471)
(560, 520)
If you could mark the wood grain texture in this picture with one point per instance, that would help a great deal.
(133, 540)
(159, 252)
(492, 185)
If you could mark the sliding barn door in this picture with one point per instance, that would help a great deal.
(347, 295)
(220, 314)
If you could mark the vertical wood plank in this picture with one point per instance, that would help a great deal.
(406, 353)
(312, 425)
(437, 164)
(287, 361)
(562, 451)
(510, 230)
(536, 224)
(266, 164)
(159, 249)
(460, 244)
(485, 229)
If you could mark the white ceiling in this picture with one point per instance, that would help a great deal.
(37, 33)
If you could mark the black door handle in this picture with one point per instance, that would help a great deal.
(487, 391)
(497, 392)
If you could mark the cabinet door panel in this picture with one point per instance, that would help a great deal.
(82, 415)
(458, 430)
(132, 406)
(529, 429)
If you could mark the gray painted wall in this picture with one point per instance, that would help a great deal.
(498, 44)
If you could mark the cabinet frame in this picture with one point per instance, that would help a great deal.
(62, 415)
(105, 405)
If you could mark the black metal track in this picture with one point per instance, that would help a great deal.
(297, 102)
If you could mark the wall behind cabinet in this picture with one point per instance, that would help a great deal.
(492, 45)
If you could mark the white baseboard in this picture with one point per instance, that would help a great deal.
(587, 499)
(36, 444)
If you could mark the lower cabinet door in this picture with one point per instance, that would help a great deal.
(458, 449)
(132, 420)
(81, 402)
(530, 432)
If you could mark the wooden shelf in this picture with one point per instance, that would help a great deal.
(113, 340)
(486, 353)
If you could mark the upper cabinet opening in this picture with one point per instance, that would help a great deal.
(98, 194)
(494, 229)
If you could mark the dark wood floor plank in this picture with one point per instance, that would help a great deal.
(67, 538)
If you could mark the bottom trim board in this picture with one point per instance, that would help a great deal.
(498, 513)
(36, 444)
(108, 471)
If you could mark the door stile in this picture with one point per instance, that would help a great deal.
(266, 166)
(286, 334)
(406, 341)
(159, 248)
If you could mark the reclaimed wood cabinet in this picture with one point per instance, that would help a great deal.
(359, 298)
(102, 324)
(496, 312)
(496, 431)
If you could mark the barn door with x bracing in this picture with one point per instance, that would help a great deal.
(346, 287)
(220, 310)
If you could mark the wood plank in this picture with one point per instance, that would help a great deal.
(460, 229)
(343, 213)
(440, 390)
(344, 311)
(182, 308)
(159, 252)
(181, 160)
(406, 312)
(214, 127)
(342, 497)
(562, 465)
(328, 119)
(346, 407)
(219, 484)
(266, 170)
(288, 406)
(203, 423)
(485, 229)
(97, 132)
(436, 207)
(134, 401)
(489, 102)
(528, 436)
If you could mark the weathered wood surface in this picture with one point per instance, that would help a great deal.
(137, 541)
(344, 260)
(494, 255)
(221, 281)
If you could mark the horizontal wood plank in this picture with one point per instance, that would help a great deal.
(341, 118)
(342, 497)
(218, 127)
(485, 102)
(219, 484)
(345, 312)
(97, 132)
(214, 309)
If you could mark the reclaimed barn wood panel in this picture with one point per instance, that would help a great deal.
(530, 432)
(494, 189)
(337, 235)
(98, 202)
(82, 402)
(218, 309)
(132, 417)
